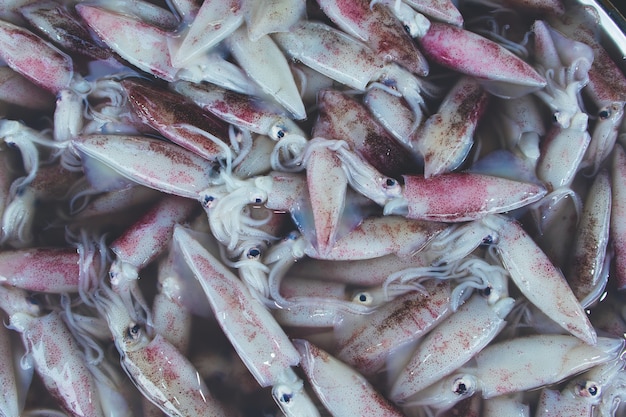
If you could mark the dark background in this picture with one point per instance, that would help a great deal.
(620, 5)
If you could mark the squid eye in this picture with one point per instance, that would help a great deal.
(207, 201)
(283, 394)
(593, 390)
(363, 298)
(407, 28)
(462, 386)
(390, 182)
(588, 389)
(487, 240)
(490, 294)
(134, 331)
(257, 198)
(31, 299)
(604, 114)
(278, 132)
(254, 253)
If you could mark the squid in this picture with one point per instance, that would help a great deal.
(152, 54)
(53, 352)
(538, 278)
(617, 228)
(447, 136)
(493, 374)
(607, 83)
(155, 366)
(267, 17)
(529, 268)
(213, 21)
(18, 90)
(377, 27)
(53, 270)
(248, 112)
(471, 328)
(587, 273)
(178, 119)
(142, 243)
(476, 196)
(10, 402)
(335, 54)
(566, 64)
(440, 10)
(264, 63)
(256, 336)
(342, 390)
(366, 342)
(559, 161)
(343, 118)
(40, 62)
(498, 70)
(604, 136)
(585, 394)
(60, 25)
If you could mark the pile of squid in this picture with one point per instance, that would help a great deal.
(311, 208)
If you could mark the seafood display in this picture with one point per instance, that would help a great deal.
(312, 208)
